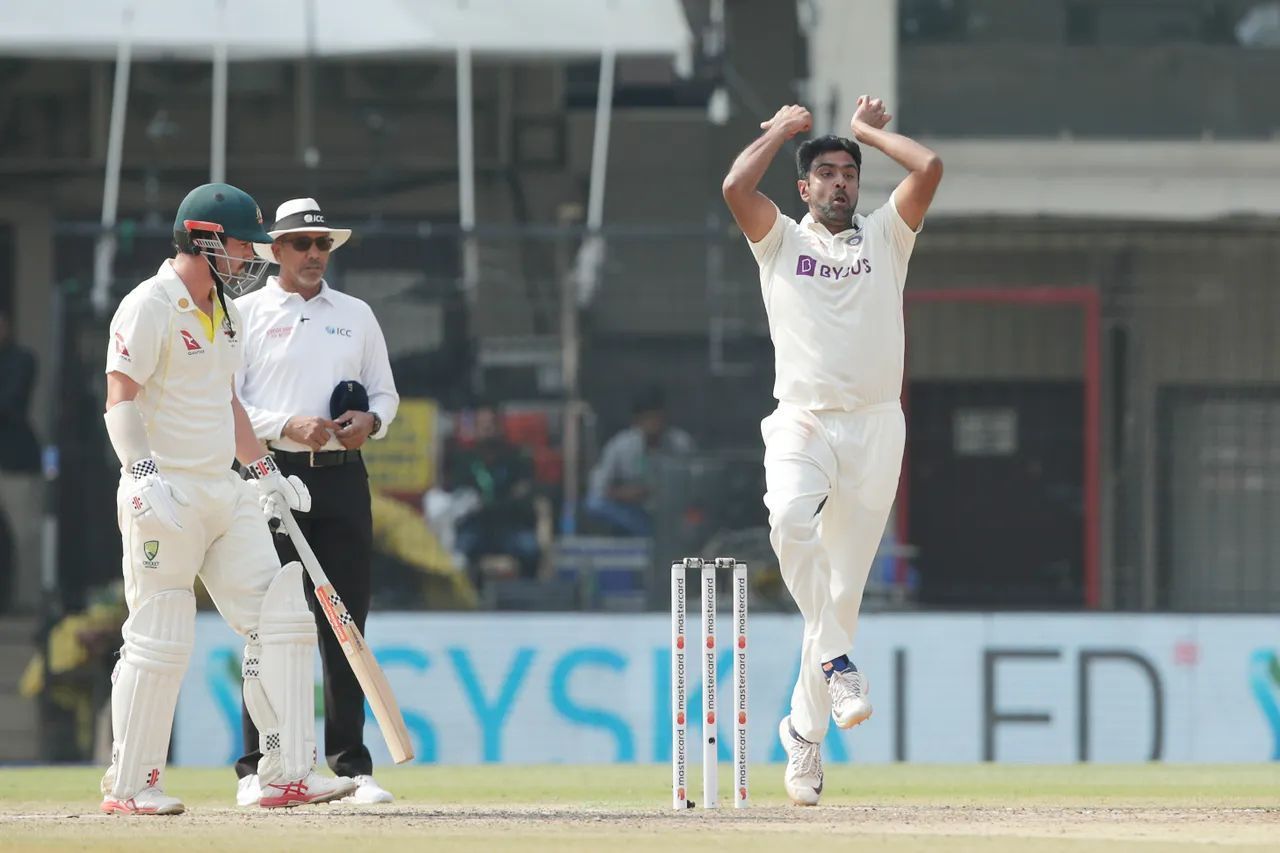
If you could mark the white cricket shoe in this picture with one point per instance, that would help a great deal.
(249, 791)
(803, 776)
(368, 792)
(849, 703)
(313, 788)
(146, 801)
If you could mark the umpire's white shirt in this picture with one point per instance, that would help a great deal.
(834, 303)
(297, 350)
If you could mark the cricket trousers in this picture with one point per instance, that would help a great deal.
(339, 529)
(831, 477)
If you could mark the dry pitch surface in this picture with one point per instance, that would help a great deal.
(883, 808)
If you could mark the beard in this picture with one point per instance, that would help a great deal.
(230, 267)
(837, 214)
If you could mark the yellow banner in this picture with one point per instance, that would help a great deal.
(405, 460)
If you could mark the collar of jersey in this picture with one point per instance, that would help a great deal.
(282, 296)
(174, 288)
(182, 301)
(813, 225)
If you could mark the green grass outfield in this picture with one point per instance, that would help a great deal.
(614, 808)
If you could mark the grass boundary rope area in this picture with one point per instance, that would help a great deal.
(983, 807)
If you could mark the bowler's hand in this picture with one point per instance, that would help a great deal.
(789, 121)
(868, 114)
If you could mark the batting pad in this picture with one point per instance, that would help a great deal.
(157, 644)
(279, 680)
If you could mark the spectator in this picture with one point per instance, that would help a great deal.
(621, 492)
(500, 476)
(21, 484)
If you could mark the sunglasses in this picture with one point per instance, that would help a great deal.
(303, 243)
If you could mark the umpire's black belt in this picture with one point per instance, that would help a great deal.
(323, 459)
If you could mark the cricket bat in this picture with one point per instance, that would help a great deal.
(373, 681)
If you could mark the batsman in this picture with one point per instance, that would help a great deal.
(175, 423)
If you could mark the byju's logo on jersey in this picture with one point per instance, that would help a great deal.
(808, 266)
(193, 346)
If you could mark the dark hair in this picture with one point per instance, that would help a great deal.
(185, 241)
(649, 400)
(811, 148)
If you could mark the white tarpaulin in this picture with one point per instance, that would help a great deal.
(225, 31)
(277, 29)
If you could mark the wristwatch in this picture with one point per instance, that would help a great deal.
(377, 424)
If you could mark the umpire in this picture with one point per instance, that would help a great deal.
(317, 384)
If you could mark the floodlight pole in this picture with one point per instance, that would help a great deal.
(218, 122)
(104, 251)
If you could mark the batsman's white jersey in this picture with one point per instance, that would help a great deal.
(833, 447)
(185, 363)
(159, 339)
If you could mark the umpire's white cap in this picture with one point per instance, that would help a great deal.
(300, 215)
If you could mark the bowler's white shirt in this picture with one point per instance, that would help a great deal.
(834, 303)
(297, 350)
(159, 341)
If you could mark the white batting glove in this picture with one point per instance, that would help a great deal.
(150, 499)
(276, 492)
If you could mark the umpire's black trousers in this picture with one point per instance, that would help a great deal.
(339, 529)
